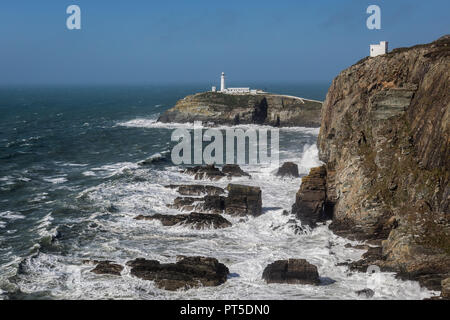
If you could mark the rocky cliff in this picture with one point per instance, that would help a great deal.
(227, 109)
(385, 137)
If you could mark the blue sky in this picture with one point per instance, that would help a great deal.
(192, 41)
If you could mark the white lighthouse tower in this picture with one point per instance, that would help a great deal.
(222, 82)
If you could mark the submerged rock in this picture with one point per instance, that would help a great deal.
(288, 169)
(195, 220)
(187, 272)
(107, 267)
(243, 200)
(292, 271)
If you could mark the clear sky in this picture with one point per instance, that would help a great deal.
(192, 41)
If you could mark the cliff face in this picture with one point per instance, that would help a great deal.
(267, 109)
(385, 138)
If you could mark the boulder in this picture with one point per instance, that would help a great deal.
(197, 190)
(205, 172)
(195, 220)
(233, 170)
(187, 272)
(243, 200)
(311, 205)
(292, 271)
(107, 267)
(288, 169)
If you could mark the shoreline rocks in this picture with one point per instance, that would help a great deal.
(292, 271)
(107, 267)
(186, 273)
(211, 172)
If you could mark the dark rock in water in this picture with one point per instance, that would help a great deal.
(184, 203)
(359, 246)
(243, 200)
(197, 190)
(107, 267)
(288, 169)
(233, 170)
(188, 272)
(195, 220)
(311, 204)
(215, 204)
(205, 172)
(268, 109)
(369, 293)
(292, 271)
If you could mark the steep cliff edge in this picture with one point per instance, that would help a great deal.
(228, 109)
(385, 137)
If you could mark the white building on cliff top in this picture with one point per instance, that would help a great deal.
(379, 49)
(224, 89)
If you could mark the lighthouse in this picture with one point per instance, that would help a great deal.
(222, 82)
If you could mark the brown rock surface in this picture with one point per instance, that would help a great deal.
(385, 139)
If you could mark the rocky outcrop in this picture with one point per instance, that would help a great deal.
(243, 200)
(228, 109)
(197, 190)
(292, 271)
(187, 272)
(195, 220)
(288, 169)
(385, 139)
(311, 205)
(205, 172)
(445, 284)
(213, 173)
(233, 170)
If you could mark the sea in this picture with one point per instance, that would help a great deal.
(71, 186)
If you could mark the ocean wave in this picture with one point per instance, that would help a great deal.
(153, 123)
